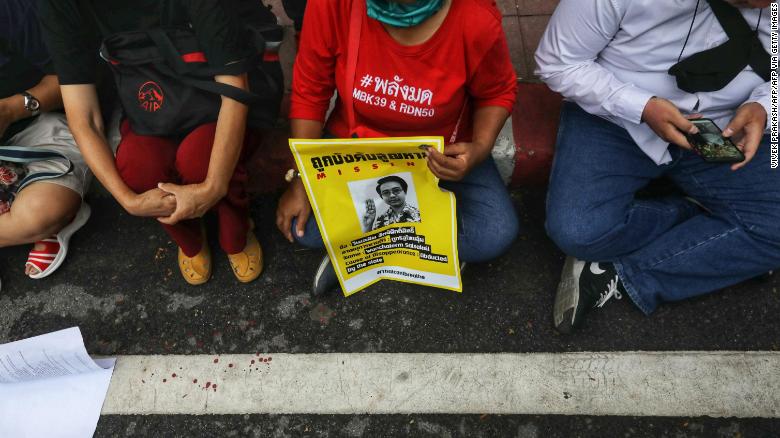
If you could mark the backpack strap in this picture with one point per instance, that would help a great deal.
(180, 70)
(25, 155)
(737, 28)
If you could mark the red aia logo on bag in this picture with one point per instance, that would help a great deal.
(150, 96)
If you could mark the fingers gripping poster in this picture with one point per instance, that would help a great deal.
(380, 210)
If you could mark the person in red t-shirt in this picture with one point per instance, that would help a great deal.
(424, 67)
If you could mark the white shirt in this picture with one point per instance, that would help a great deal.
(612, 56)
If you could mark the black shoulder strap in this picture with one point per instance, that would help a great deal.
(730, 19)
(180, 70)
(737, 28)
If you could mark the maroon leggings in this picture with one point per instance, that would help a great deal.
(144, 161)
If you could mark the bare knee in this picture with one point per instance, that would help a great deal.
(40, 211)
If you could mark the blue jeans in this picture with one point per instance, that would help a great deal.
(487, 223)
(663, 249)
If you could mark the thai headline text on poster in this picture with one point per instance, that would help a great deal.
(380, 210)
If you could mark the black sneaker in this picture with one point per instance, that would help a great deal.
(325, 279)
(583, 286)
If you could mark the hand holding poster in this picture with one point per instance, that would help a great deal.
(380, 210)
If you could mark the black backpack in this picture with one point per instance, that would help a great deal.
(167, 89)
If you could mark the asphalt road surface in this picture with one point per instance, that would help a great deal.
(121, 286)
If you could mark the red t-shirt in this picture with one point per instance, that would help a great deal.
(403, 90)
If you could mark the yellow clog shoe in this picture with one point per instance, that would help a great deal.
(196, 270)
(248, 264)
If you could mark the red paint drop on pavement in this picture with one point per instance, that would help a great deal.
(208, 385)
(230, 365)
(165, 380)
(216, 360)
(173, 375)
(253, 361)
(194, 380)
(269, 359)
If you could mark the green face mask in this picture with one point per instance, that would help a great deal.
(402, 15)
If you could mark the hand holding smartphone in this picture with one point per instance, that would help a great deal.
(710, 144)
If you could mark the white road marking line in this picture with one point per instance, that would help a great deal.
(717, 384)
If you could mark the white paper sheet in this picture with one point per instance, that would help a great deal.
(50, 387)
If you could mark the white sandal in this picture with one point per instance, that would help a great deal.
(63, 237)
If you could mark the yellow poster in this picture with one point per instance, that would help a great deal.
(380, 210)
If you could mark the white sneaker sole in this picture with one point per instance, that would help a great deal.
(324, 264)
(568, 293)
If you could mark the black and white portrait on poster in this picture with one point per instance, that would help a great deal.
(384, 201)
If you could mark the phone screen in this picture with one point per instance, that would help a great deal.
(711, 145)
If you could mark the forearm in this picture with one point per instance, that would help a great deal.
(97, 153)
(598, 92)
(47, 91)
(488, 121)
(86, 124)
(228, 139)
(301, 128)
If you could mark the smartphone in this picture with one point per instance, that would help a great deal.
(711, 145)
